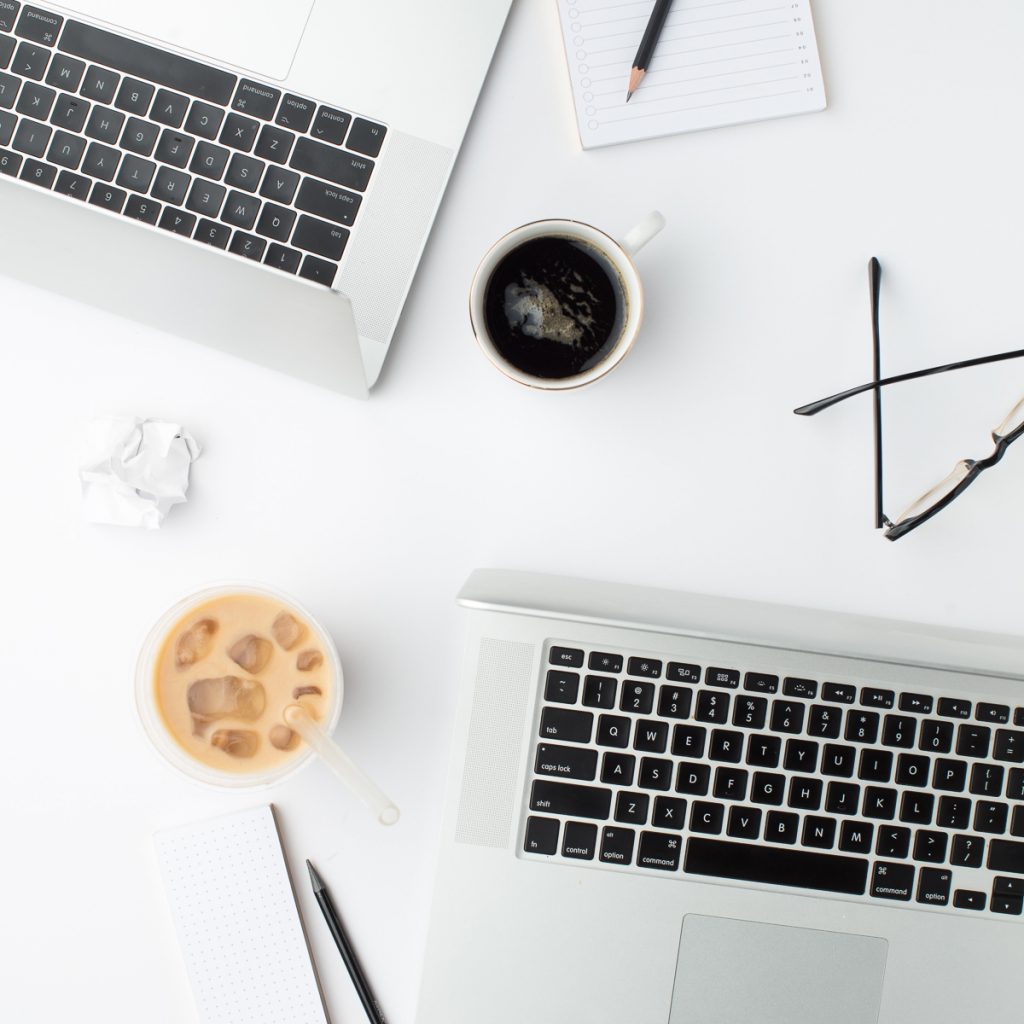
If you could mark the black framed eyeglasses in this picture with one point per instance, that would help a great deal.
(965, 472)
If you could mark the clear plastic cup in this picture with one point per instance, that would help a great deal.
(153, 723)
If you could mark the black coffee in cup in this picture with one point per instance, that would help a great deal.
(554, 306)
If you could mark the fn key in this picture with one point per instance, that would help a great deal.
(541, 836)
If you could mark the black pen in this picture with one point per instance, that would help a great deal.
(643, 56)
(348, 954)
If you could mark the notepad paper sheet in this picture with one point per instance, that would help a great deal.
(718, 62)
(237, 922)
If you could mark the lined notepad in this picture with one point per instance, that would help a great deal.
(718, 62)
(237, 922)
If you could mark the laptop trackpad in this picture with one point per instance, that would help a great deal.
(735, 972)
(261, 37)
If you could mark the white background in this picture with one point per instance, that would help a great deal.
(684, 469)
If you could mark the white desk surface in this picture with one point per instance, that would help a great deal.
(684, 469)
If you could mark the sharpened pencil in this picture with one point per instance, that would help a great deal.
(642, 60)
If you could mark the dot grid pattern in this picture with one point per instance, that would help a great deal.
(239, 929)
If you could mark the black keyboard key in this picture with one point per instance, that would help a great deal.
(1003, 885)
(632, 808)
(108, 197)
(973, 740)
(750, 712)
(647, 668)
(568, 726)
(990, 816)
(7, 45)
(568, 657)
(169, 108)
(332, 164)
(758, 682)
(743, 862)
(1018, 716)
(171, 186)
(101, 162)
(8, 14)
(240, 211)
(730, 783)
(140, 136)
(801, 755)
(280, 185)
(688, 740)
(1006, 855)
(838, 761)
(805, 793)
(1015, 784)
(612, 731)
(806, 688)
(134, 97)
(211, 233)
(560, 687)
(38, 173)
(677, 671)
(839, 693)
(781, 827)
(321, 271)
(142, 61)
(861, 726)
(210, 161)
(659, 850)
(954, 812)
(617, 845)
(999, 714)
(969, 899)
(725, 677)
(892, 881)
(32, 138)
(893, 841)
(66, 150)
(274, 144)
(898, 731)
(571, 800)
(655, 773)
(65, 73)
(917, 808)
(949, 776)
(204, 120)
(669, 813)
(74, 185)
(763, 751)
(256, 100)
(744, 823)
(767, 788)
(879, 802)
(10, 163)
(912, 770)
(918, 703)
(541, 836)
(824, 722)
(694, 779)
(340, 206)
(297, 114)
(320, 237)
(599, 661)
(275, 222)
(726, 746)
(174, 148)
(651, 737)
(617, 769)
(930, 846)
(239, 132)
(366, 137)
(330, 125)
(249, 246)
(142, 208)
(105, 125)
(674, 702)
(637, 697)
(951, 707)
(875, 765)
(579, 840)
(987, 779)
(712, 707)
(1006, 905)
(856, 836)
(36, 101)
(69, 113)
(936, 737)
(599, 691)
(706, 817)
(787, 716)
(561, 761)
(39, 26)
(933, 885)
(1008, 746)
(30, 61)
(178, 221)
(100, 85)
(842, 798)
(872, 697)
(9, 86)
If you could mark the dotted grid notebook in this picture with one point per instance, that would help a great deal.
(237, 921)
(718, 62)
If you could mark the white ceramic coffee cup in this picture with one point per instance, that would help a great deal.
(618, 253)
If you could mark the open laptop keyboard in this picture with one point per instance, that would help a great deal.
(179, 144)
(668, 767)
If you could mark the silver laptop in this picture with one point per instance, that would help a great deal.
(258, 177)
(667, 809)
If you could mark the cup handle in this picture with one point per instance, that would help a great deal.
(636, 238)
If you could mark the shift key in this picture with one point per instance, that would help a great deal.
(332, 164)
(575, 801)
(328, 201)
(567, 726)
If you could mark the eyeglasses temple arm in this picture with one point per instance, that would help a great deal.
(875, 280)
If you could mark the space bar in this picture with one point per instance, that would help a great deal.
(797, 868)
(142, 61)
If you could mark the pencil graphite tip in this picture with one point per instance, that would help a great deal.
(629, 95)
(318, 884)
